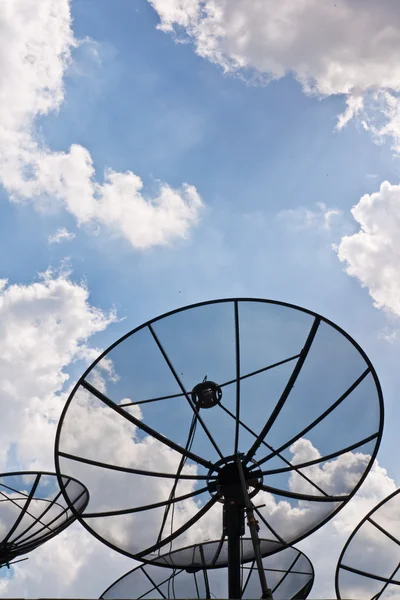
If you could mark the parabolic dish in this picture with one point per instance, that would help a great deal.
(209, 555)
(147, 431)
(289, 573)
(369, 565)
(33, 510)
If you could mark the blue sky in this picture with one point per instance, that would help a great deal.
(251, 151)
(267, 162)
(156, 108)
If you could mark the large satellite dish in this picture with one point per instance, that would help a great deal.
(33, 510)
(289, 573)
(369, 565)
(214, 410)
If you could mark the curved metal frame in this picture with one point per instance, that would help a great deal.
(24, 547)
(206, 565)
(259, 439)
(358, 527)
(176, 570)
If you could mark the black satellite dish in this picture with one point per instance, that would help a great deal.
(289, 573)
(33, 510)
(210, 555)
(369, 564)
(214, 410)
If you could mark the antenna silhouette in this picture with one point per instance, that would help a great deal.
(33, 510)
(290, 573)
(369, 564)
(173, 457)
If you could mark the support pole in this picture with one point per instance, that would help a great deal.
(254, 529)
(234, 529)
(205, 574)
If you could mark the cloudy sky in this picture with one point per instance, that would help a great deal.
(163, 152)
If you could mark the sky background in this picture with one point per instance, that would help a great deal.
(155, 154)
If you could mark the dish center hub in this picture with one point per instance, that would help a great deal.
(228, 482)
(206, 394)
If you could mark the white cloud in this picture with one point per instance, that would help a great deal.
(324, 547)
(291, 519)
(62, 234)
(338, 476)
(373, 253)
(355, 105)
(44, 327)
(71, 565)
(381, 116)
(35, 50)
(305, 218)
(341, 47)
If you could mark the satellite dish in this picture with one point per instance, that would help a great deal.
(369, 565)
(33, 510)
(290, 574)
(217, 409)
(210, 555)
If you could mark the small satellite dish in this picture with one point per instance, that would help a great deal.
(289, 573)
(369, 564)
(214, 411)
(33, 510)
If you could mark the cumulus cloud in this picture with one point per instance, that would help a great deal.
(35, 46)
(72, 565)
(336, 477)
(44, 327)
(62, 234)
(372, 255)
(324, 547)
(291, 519)
(340, 47)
